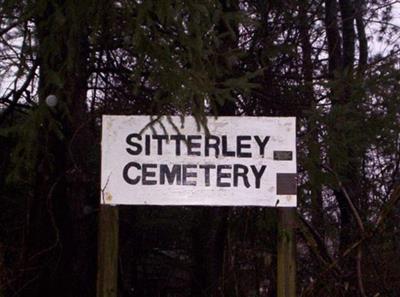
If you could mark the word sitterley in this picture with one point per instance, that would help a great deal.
(189, 173)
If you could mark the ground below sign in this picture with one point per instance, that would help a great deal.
(240, 161)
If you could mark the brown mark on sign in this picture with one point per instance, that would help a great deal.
(286, 184)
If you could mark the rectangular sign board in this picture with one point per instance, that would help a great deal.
(239, 161)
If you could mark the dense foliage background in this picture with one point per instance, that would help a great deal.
(334, 64)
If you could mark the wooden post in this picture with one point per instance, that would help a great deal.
(107, 257)
(286, 250)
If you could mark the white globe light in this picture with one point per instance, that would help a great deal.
(51, 100)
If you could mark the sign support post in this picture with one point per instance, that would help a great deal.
(286, 253)
(107, 257)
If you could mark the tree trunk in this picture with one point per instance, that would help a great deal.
(60, 240)
(341, 75)
(314, 171)
(333, 37)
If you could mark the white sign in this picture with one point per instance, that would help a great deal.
(241, 161)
